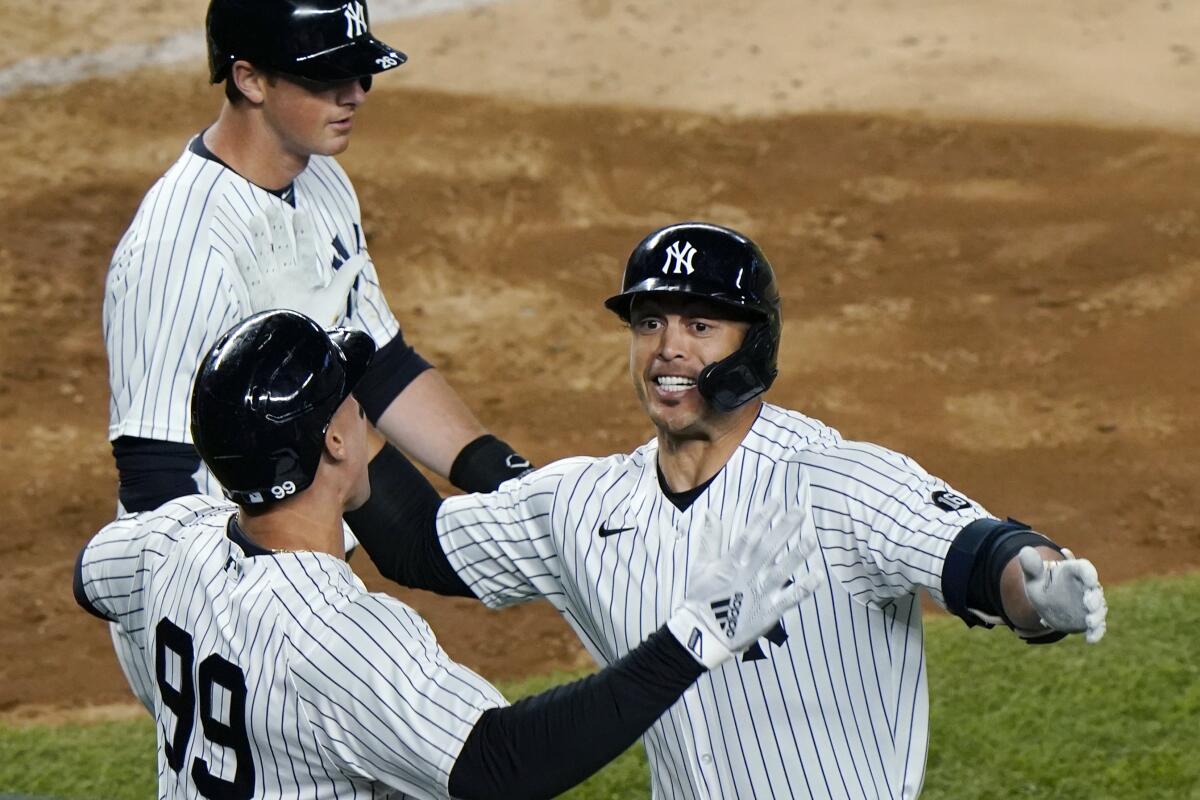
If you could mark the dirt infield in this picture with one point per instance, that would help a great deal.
(1014, 305)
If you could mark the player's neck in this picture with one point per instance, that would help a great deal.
(689, 459)
(306, 522)
(241, 140)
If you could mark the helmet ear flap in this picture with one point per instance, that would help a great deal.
(744, 374)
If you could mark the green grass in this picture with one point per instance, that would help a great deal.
(1119, 720)
(103, 760)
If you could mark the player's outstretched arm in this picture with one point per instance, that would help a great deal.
(431, 423)
(397, 526)
(1003, 573)
(545, 744)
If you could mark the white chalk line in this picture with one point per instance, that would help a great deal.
(177, 48)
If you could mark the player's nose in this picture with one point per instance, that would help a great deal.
(671, 340)
(353, 93)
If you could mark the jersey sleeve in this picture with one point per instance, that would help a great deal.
(369, 309)
(885, 524)
(111, 570)
(502, 544)
(384, 700)
(166, 302)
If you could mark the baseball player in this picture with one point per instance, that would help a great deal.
(832, 701)
(295, 74)
(278, 675)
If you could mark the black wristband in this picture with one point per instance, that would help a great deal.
(485, 463)
(977, 557)
(1004, 549)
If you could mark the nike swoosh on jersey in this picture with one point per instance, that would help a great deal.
(612, 531)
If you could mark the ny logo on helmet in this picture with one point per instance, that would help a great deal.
(356, 19)
(682, 258)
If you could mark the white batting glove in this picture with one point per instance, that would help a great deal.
(1067, 595)
(286, 270)
(736, 593)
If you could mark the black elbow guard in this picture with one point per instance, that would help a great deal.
(977, 557)
(485, 463)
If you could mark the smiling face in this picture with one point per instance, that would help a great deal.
(673, 338)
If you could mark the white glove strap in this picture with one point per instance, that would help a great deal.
(688, 629)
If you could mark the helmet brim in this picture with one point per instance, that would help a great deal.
(742, 305)
(356, 59)
(357, 350)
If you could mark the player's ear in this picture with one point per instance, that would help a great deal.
(335, 442)
(250, 81)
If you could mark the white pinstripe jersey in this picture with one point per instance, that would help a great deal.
(278, 668)
(833, 704)
(170, 291)
(170, 294)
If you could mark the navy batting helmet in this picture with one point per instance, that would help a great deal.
(316, 40)
(725, 267)
(264, 397)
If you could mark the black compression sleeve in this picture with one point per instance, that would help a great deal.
(544, 744)
(152, 471)
(392, 369)
(397, 527)
(485, 463)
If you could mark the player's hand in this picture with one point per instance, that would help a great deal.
(1067, 594)
(285, 269)
(737, 592)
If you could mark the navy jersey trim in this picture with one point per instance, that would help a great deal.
(243, 541)
(198, 147)
(681, 500)
(77, 588)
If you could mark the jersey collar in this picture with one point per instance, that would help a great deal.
(239, 537)
(197, 147)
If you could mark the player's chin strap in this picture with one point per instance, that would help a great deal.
(971, 576)
(741, 376)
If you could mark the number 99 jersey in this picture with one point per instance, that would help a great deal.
(276, 674)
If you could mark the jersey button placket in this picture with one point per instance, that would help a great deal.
(708, 766)
(699, 747)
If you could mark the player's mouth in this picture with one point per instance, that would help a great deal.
(669, 385)
(342, 125)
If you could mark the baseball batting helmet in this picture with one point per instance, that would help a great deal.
(264, 397)
(723, 266)
(316, 40)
